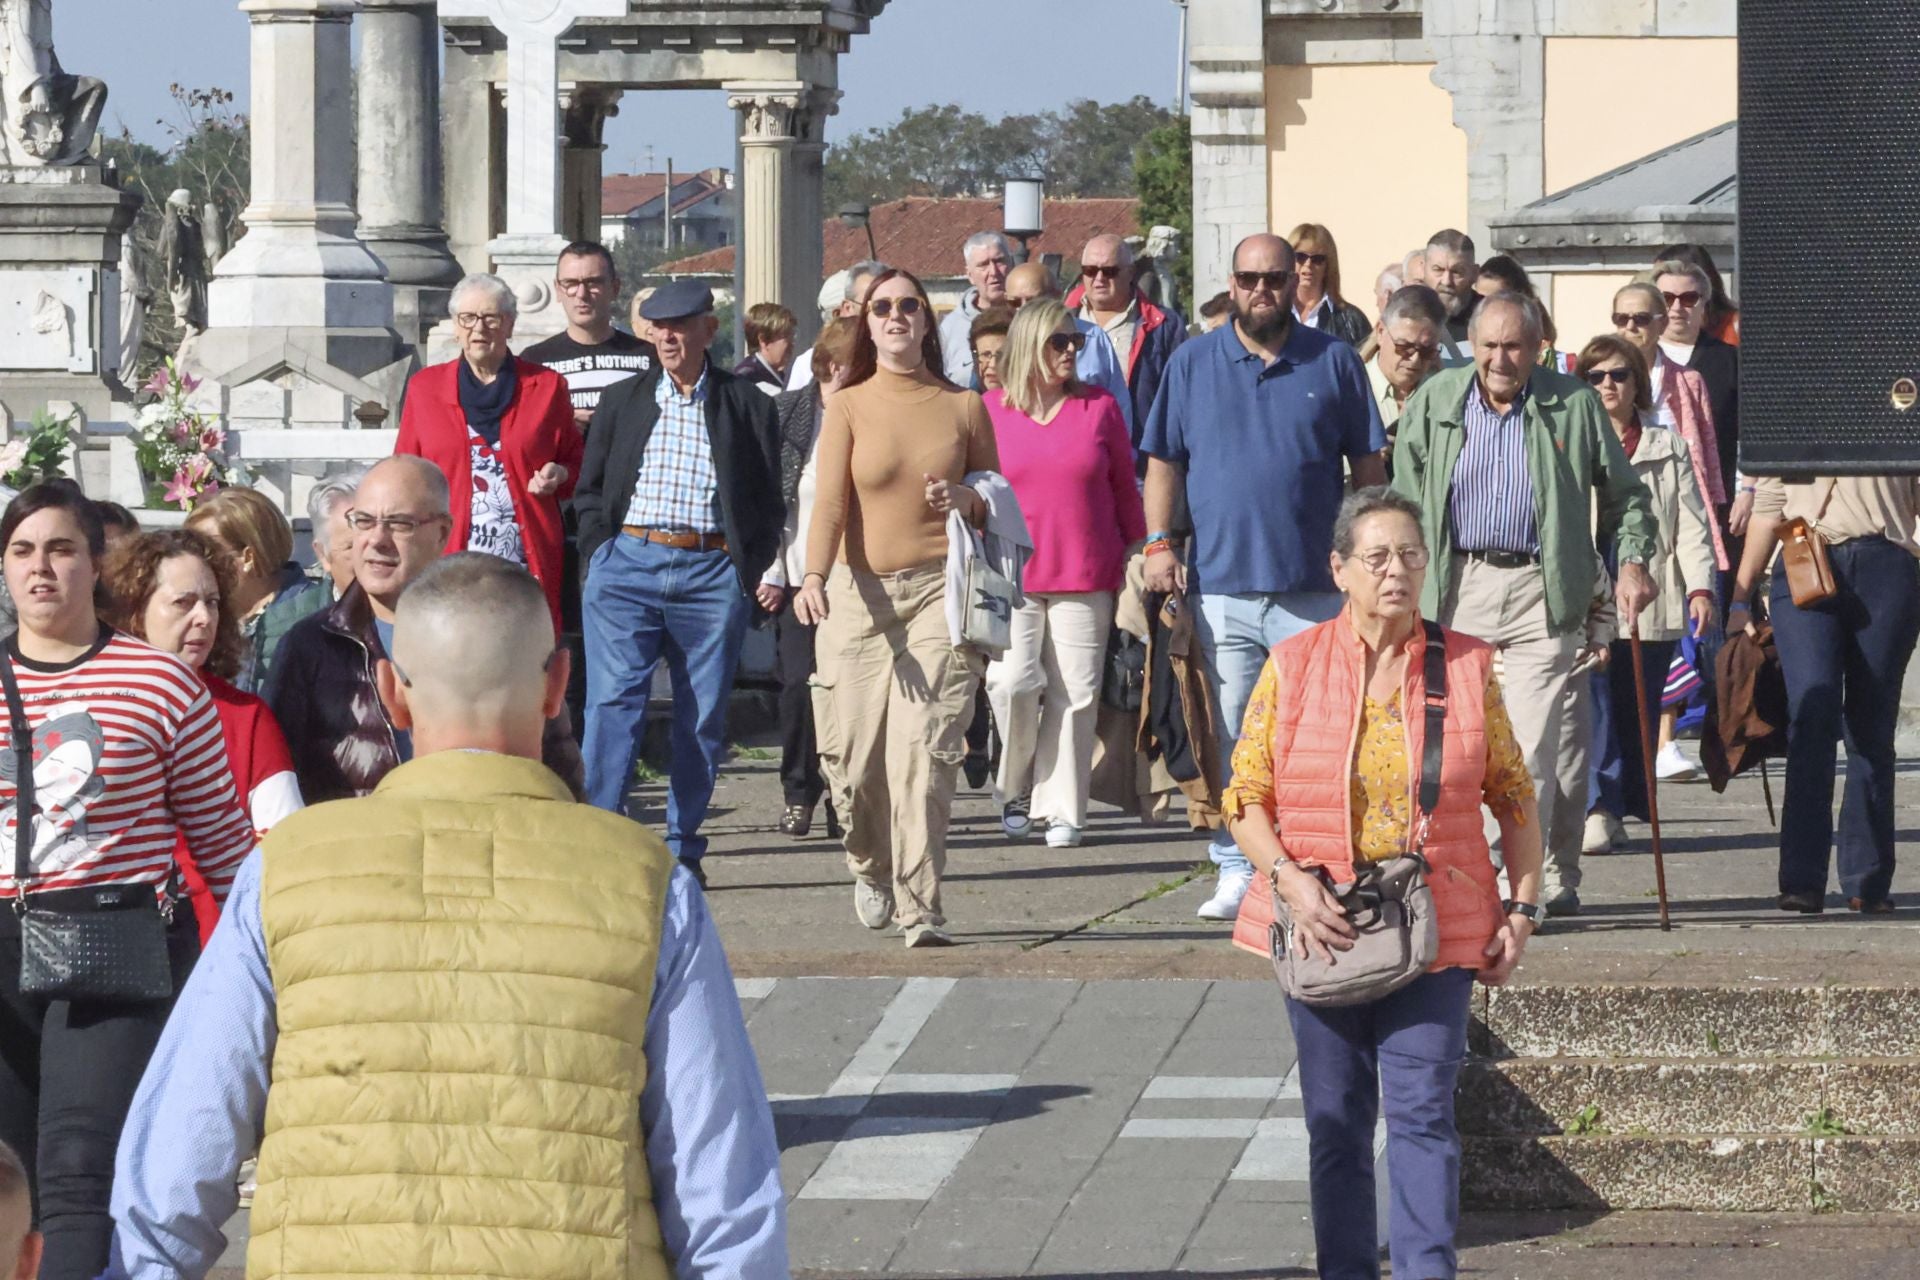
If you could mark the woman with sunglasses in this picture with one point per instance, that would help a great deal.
(1680, 401)
(1681, 566)
(896, 447)
(1064, 448)
(1317, 300)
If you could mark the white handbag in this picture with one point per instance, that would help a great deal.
(986, 618)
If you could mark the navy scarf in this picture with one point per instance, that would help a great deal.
(486, 403)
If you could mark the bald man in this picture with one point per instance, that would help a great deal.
(1097, 366)
(321, 687)
(462, 990)
(1144, 335)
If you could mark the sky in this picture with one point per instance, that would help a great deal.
(991, 56)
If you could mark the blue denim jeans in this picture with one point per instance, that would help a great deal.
(643, 603)
(1237, 631)
(1403, 1052)
(1617, 773)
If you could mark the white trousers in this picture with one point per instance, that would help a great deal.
(1045, 695)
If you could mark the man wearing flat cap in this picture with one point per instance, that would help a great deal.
(680, 513)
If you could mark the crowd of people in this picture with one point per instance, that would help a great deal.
(943, 520)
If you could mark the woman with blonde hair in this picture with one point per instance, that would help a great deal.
(1065, 450)
(247, 525)
(1317, 300)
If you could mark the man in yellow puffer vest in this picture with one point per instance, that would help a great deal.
(485, 1030)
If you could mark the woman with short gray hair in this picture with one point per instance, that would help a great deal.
(1325, 783)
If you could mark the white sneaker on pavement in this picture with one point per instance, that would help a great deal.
(1672, 765)
(926, 935)
(1225, 902)
(1597, 837)
(1062, 835)
(872, 904)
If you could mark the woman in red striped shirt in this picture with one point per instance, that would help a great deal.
(175, 590)
(127, 758)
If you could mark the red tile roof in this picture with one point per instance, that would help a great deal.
(924, 235)
(621, 193)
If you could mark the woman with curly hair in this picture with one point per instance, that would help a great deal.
(175, 590)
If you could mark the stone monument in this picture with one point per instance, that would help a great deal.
(62, 217)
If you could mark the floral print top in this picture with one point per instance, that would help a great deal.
(1380, 791)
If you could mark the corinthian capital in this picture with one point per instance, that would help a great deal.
(766, 116)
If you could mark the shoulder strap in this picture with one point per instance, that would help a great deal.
(1435, 737)
(22, 748)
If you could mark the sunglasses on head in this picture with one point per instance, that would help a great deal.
(1273, 281)
(1099, 273)
(1691, 298)
(1301, 259)
(1065, 342)
(1638, 319)
(883, 307)
(1618, 377)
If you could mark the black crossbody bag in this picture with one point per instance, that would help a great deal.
(114, 952)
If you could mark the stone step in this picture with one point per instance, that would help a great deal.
(1696, 1172)
(1877, 1097)
(1660, 1020)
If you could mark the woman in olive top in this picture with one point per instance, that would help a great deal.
(895, 694)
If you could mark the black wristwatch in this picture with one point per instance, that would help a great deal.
(1533, 911)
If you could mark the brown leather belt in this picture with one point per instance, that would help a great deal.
(678, 539)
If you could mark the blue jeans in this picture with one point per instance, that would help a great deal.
(1404, 1051)
(1237, 631)
(643, 602)
(1844, 661)
(1617, 772)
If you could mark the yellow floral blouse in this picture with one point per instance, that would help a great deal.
(1380, 792)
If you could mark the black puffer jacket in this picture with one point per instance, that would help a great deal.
(321, 689)
(799, 414)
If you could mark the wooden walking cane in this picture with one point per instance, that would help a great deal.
(1653, 780)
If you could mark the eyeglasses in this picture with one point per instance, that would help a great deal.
(1271, 281)
(991, 356)
(592, 284)
(883, 307)
(1691, 298)
(1637, 319)
(488, 320)
(1618, 377)
(1061, 343)
(1416, 350)
(398, 526)
(1376, 559)
(1306, 259)
(1092, 272)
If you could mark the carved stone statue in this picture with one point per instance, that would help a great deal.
(136, 294)
(214, 224)
(49, 116)
(183, 257)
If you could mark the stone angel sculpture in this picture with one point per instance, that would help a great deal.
(49, 116)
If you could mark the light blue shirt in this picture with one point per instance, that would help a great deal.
(202, 1105)
(1099, 366)
(678, 486)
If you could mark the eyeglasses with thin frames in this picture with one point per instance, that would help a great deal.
(398, 526)
(884, 307)
(1376, 559)
(488, 320)
(591, 284)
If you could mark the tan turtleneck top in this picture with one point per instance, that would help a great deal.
(878, 443)
(1843, 508)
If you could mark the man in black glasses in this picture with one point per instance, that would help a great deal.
(1144, 335)
(1252, 425)
(1411, 327)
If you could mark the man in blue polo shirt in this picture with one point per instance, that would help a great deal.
(1253, 424)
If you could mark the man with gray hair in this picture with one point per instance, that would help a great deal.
(1144, 335)
(327, 501)
(1507, 459)
(860, 277)
(1451, 271)
(988, 256)
(1407, 338)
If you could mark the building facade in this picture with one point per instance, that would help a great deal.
(633, 205)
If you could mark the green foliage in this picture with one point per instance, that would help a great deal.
(1163, 177)
(1824, 1124)
(1585, 1122)
(1819, 1199)
(1086, 150)
(1713, 1042)
(38, 454)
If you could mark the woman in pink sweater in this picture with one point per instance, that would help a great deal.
(1064, 447)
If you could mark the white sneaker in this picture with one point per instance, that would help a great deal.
(872, 904)
(1061, 835)
(926, 935)
(1672, 765)
(1597, 837)
(1225, 902)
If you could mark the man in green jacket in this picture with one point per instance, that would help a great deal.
(1509, 462)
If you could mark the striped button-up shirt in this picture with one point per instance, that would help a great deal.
(1491, 501)
(677, 487)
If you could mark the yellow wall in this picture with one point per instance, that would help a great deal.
(1613, 100)
(1372, 153)
(1582, 305)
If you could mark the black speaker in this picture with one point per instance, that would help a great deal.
(1829, 236)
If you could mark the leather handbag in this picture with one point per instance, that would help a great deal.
(1803, 557)
(115, 952)
(1123, 681)
(1388, 903)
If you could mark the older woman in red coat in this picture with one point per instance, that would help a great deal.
(502, 431)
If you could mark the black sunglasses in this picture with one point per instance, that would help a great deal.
(1691, 298)
(1638, 319)
(1301, 259)
(1102, 273)
(1272, 281)
(1618, 377)
(1064, 342)
(883, 307)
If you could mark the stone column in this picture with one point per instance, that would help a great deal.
(300, 278)
(1494, 65)
(804, 260)
(767, 114)
(585, 114)
(1228, 90)
(475, 130)
(401, 210)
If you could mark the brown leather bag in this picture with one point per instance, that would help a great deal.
(1803, 557)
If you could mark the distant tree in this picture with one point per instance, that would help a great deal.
(1093, 147)
(1163, 178)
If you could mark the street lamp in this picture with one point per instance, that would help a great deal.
(1023, 213)
(861, 217)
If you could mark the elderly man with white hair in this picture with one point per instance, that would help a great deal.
(1144, 335)
(989, 257)
(327, 504)
(849, 300)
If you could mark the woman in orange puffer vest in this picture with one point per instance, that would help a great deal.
(1325, 776)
